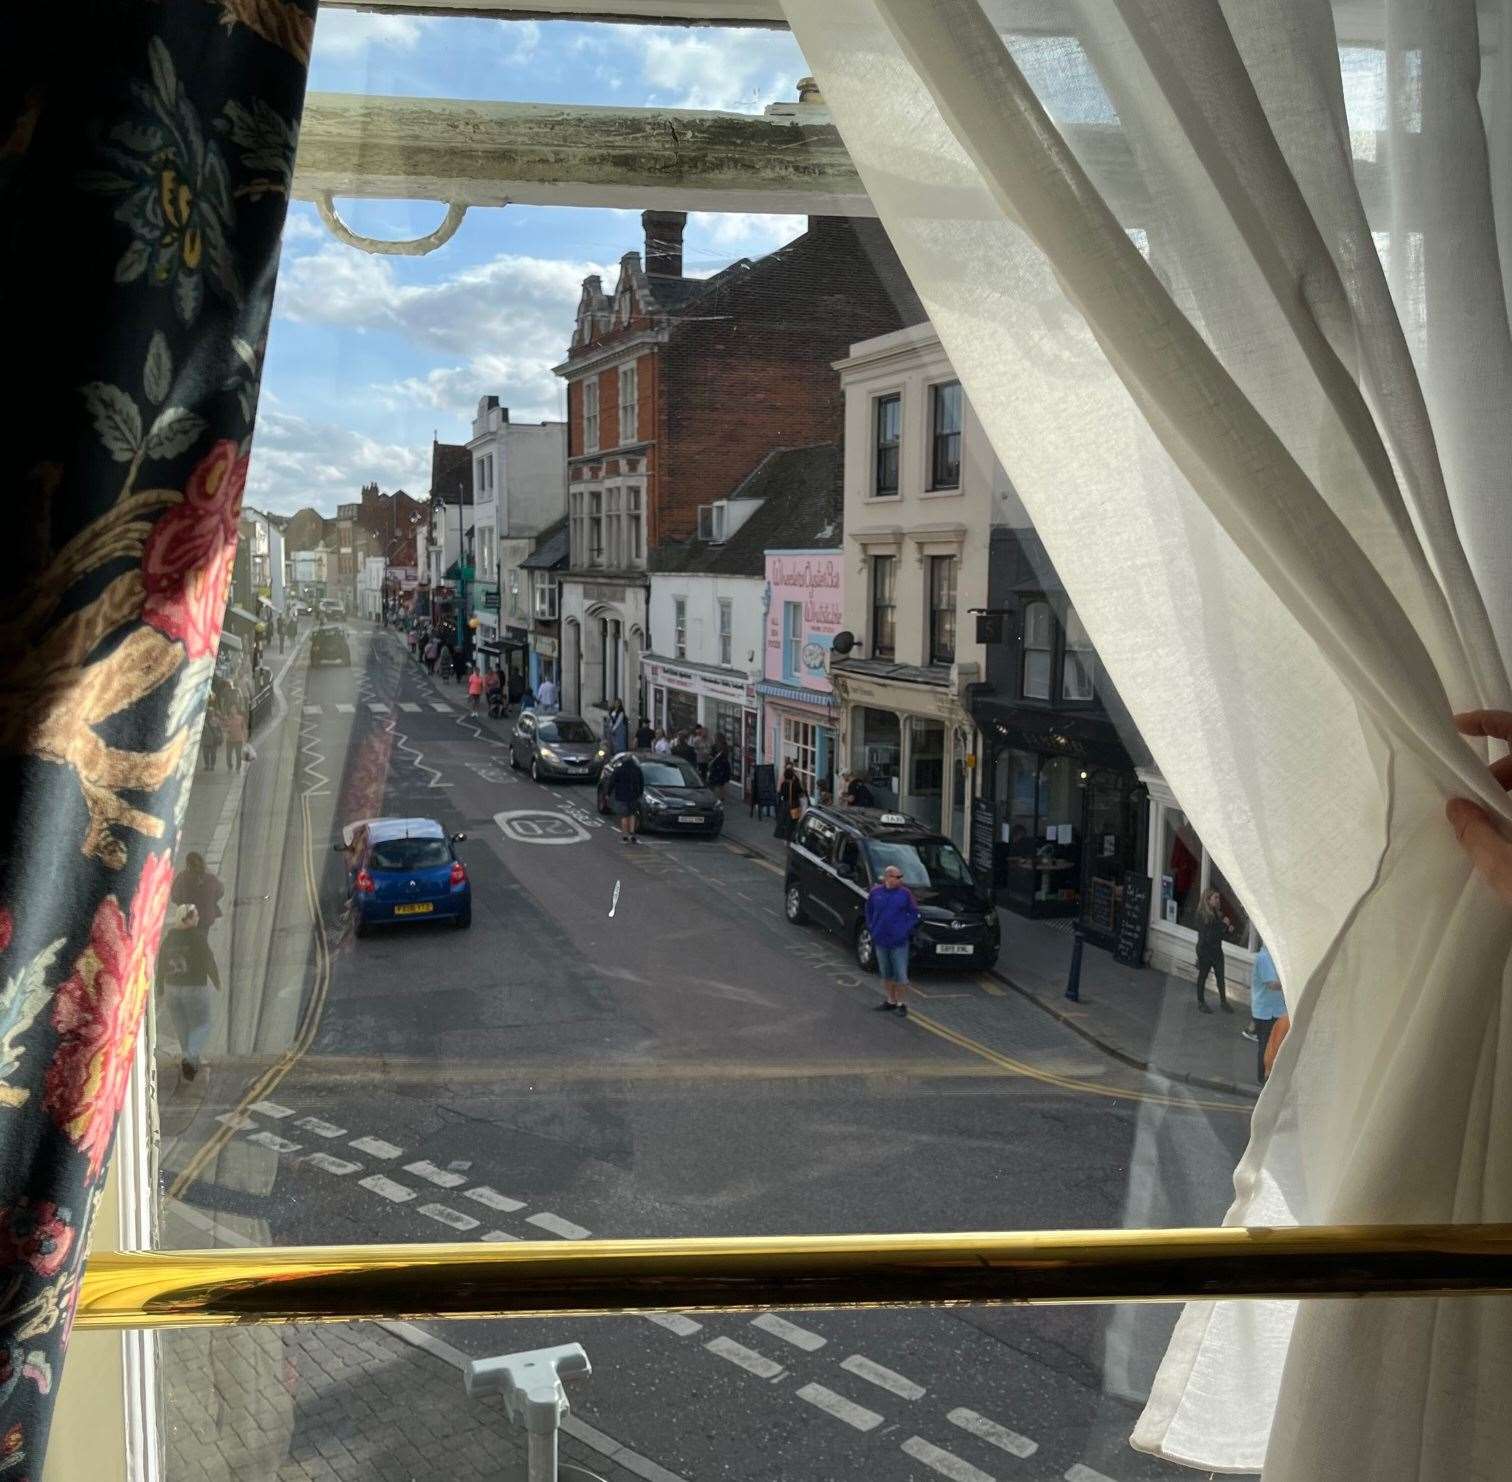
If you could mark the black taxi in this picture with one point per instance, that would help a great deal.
(835, 857)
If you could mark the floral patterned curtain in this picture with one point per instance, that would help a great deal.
(146, 154)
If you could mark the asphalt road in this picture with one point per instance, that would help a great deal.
(633, 1041)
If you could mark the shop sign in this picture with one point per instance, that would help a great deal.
(813, 581)
(701, 684)
(546, 647)
(601, 592)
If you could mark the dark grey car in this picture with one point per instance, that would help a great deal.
(556, 746)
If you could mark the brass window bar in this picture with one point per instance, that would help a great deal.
(600, 1277)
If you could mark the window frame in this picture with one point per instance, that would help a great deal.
(937, 483)
(877, 649)
(590, 414)
(939, 616)
(635, 524)
(792, 640)
(629, 407)
(886, 449)
(725, 620)
(1026, 648)
(679, 627)
(595, 527)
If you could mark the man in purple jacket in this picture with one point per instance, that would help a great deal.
(891, 916)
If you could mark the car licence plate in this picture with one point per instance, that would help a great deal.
(690, 818)
(416, 910)
(951, 950)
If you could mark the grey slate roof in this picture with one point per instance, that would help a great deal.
(803, 500)
(551, 548)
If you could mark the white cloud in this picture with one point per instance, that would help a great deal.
(297, 462)
(732, 234)
(344, 34)
(730, 70)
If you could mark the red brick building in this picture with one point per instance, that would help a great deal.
(677, 387)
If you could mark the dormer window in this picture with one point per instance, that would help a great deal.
(711, 522)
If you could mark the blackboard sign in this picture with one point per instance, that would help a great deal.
(764, 786)
(1130, 944)
(1100, 904)
(984, 827)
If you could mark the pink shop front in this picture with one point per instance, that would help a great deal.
(798, 705)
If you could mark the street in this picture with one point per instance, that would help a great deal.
(632, 1041)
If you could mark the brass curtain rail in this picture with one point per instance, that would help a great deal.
(590, 1277)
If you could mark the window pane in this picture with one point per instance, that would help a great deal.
(1181, 870)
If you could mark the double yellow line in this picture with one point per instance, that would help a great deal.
(304, 1036)
(1065, 1082)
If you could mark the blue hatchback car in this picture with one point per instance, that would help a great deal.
(404, 869)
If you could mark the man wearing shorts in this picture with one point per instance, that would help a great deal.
(891, 916)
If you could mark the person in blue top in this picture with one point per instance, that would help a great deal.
(1266, 1005)
(891, 916)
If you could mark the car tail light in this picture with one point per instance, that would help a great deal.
(459, 873)
(364, 882)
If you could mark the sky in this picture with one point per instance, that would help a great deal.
(369, 356)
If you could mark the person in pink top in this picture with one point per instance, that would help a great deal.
(475, 687)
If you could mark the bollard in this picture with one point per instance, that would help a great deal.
(535, 1398)
(1073, 980)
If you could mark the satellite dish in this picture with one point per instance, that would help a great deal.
(843, 642)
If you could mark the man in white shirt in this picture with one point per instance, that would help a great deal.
(546, 694)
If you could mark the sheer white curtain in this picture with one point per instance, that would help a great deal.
(1225, 284)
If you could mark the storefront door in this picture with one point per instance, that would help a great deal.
(729, 721)
(682, 712)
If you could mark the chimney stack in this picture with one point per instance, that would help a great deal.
(664, 242)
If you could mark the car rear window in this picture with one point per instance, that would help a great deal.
(409, 854)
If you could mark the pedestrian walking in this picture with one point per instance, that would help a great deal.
(474, 689)
(617, 728)
(188, 976)
(210, 736)
(1212, 925)
(432, 653)
(198, 886)
(857, 794)
(644, 735)
(791, 796)
(719, 767)
(701, 750)
(660, 744)
(546, 695)
(1267, 1005)
(444, 662)
(892, 914)
(683, 748)
(627, 788)
(236, 735)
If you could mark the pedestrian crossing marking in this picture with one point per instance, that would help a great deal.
(747, 1359)
(319, 1128)
(272, 1109)
(278, 1144)
(375, 1147)
(558, 1226)
(313, 709)
(492, 1199)
(789, 1332)
(431, 1174)
(437, 705)
(495, 1236)
(888, 1379)
(329, 1164)
(991, 1432)
(840, 1407)
(451, 1217)
(345, 709)
(946, 1463)
(675, 1322)
(377, 707)
(386, 1188)
(408, 705)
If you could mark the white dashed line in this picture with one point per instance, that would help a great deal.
(745, 1358)
(312, 709)
(780, 1327)
(453, 1217)
(497, 1235)
(235, 1120)
(278, 1144)
(375, 1147)
(675, 1322)
(992, 1433)
(946, 1463)
(345, 709)
(864, 1368)
(331, 1165)
(436, 705)
(1079, 1473)
(840, 1407)
(272, 1109)
(408, 705)
(492, 1199)
(386, 1188)
(319, 1128)
(433, 1175)
(558, 1226)
(377, 707)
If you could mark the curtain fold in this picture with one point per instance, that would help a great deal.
(1223, 284)
(146, 153)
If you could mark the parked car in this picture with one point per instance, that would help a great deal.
(675, 800)
(556, 746)
(404, 869)
(835, 857)
(331, 611)
(329, 645)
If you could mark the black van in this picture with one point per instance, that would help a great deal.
(835, 857)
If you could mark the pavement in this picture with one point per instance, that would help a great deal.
(632, 1041)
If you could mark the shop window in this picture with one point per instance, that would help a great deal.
(926, 770)
(876, 749)
(1039, 650)
(942, 609)
(800, 747)
(945, 436)
(1079, 663)
(680, 627)
(1180, 869)
(1233, 908)
(884, 606)
(889, 417)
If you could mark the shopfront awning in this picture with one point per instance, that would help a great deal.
(242, 616)
(795, 694)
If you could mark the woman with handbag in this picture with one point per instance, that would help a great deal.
(791, 796)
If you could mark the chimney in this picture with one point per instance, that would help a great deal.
(664, 242)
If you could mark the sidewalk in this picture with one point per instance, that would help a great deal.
(1144, 1018)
